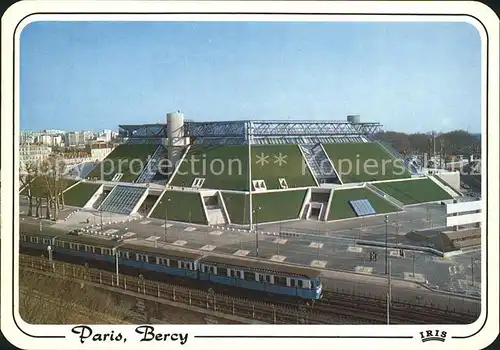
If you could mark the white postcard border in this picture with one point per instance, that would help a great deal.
(480, 333)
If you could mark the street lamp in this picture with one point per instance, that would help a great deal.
(256, 232)
(413, 264)
(115, 251)
(389, 296)
(386, 232)
(165, 225)
(472, 260)
(49, 250)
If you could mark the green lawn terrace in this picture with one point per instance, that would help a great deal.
(283, 162)
(80, 194)
(127, 159)
(222, 167)
(274, 206)
(364, 162)
(340, 208)
(181, 206)
(40, 185)
(226, 167)
(414, 191)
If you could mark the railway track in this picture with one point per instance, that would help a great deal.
(334, 308)
(400, 313)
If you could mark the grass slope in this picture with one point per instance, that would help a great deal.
(274, 206)
(183, 206)
(293, 168)
(80, 194)
(341, 209)
(362, 162)
(414, 191)
(39, 186)
(128, 159)
(223, 167)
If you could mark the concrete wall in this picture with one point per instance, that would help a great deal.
(451, 178)
(100, 153)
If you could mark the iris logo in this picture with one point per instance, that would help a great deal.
(435, 335)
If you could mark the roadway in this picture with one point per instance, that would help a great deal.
(337, 253)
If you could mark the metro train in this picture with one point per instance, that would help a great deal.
(300, 282)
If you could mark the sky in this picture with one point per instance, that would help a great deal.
(411, 77)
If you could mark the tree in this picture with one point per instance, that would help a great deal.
(454, 142)
(398, 140)
(27, 182)
(52, 169)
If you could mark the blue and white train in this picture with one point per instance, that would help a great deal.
(304, 283)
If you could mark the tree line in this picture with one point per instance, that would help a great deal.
(41, 182)
(457, 142)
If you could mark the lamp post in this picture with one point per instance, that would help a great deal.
(430, 217)
(386, 232)
(165, 225)
(116, 266)
(389, 294)
(472, 260)
(49, 250)
(256, 232)
(413, 264)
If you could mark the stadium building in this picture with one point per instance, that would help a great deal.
(248, 172)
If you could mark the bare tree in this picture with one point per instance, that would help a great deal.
(38, 206)
(27, 182)
(53, 183)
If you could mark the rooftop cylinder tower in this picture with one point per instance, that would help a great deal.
(354, 119)
(175, 137)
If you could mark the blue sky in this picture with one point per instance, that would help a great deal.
(411, 77)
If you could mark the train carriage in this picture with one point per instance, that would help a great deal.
(86, 247)
(162, 260)
(299, 282)
(136, 258)
(36, 240)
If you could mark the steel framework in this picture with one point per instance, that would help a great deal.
(256, 132)
(311, 128)
(143, 131)
(262, 132)
(215, 129)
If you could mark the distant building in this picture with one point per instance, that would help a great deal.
(75, 138)
(100, 150)
(28, 136)
(44, 139)
(29, 153)
(57, 140)
(54, 132)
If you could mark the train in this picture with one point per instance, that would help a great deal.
(282, 280)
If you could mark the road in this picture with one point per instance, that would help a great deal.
(451, 274)
(414, 217)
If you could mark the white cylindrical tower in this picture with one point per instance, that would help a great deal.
(175, 128)
(175, 136)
